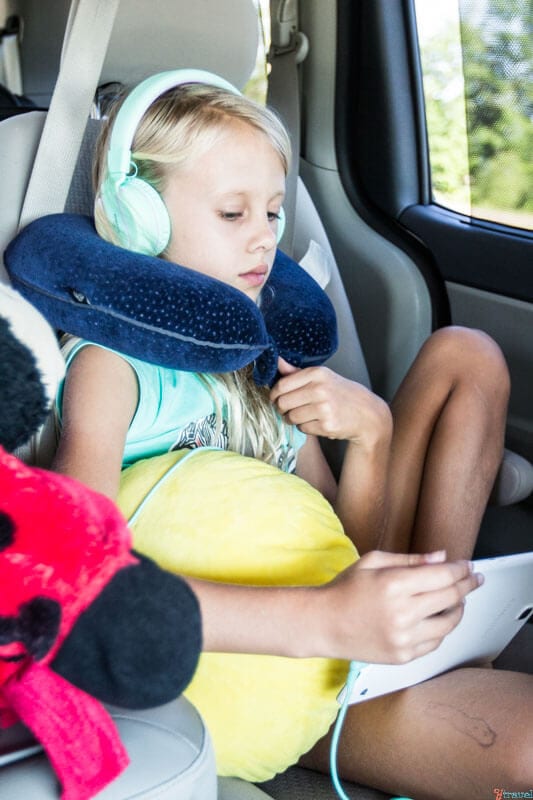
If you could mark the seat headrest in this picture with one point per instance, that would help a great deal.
(147, 38)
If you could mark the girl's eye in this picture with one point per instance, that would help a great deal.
(232, 216)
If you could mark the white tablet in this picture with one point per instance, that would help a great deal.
(493, 614)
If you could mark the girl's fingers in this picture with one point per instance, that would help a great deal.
(415, 574)
(308, 420)
(432, 631)
(432, 578)
(379, 559)
(300, 414)
(426, 634)
(289, 384)
(290, 399)
(432, 603)
(442, 611)
(284, 368)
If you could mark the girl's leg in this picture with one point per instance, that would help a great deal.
(461, 735)
(449, 422)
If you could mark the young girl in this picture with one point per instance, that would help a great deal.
(415, 479)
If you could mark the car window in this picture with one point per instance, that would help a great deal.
(257, 85)
(477, 67)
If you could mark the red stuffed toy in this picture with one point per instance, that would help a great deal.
(81, 616)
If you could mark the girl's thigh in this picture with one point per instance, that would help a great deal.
(461, 735)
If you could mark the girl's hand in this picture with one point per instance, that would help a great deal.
(322, 403)
(392, 608)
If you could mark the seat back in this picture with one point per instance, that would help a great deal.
(220, 37)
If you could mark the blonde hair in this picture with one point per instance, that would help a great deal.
(254, 429)
(180, 125)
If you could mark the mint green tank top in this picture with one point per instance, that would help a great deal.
(175, 410)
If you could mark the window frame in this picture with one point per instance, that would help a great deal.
(383, 158)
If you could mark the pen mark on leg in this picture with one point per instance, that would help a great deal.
(474, 727)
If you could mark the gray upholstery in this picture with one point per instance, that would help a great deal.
(514, 481)
(235, 789)
(19, 138)
(171, 756)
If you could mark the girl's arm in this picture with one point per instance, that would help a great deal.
(323, 403)
(386, 607)
(99, 401)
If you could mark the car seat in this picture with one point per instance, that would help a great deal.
(220, 38)
(169, 749)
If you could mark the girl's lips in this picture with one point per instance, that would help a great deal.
(255, 277)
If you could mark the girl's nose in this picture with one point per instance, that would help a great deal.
(263, 234)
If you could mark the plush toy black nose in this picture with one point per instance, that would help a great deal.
(36, 626)
(7, 531)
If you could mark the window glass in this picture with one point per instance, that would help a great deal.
(256, 87)
(477, 67)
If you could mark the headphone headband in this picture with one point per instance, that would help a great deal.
(139, 101)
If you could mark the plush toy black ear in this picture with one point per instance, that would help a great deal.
(31, 368)
(138, 644)
(23, 402)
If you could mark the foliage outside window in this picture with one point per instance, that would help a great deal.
(256, 88)
(477, 66)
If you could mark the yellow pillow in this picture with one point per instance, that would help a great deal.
(220, 516)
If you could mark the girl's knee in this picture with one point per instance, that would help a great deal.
(472, 343)
(471, 354)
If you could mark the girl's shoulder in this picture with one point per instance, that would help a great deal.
(72, 346)
(152, 379)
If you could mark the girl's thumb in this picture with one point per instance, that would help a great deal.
(284, 368)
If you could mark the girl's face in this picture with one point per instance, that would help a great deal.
(224, 208)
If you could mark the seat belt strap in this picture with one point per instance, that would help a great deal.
(288, 49)
(87, 35)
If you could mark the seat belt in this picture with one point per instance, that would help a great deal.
(87, 35)
(288, 48)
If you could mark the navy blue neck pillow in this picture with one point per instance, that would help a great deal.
(164, 313)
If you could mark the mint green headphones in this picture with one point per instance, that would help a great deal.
(135, 210)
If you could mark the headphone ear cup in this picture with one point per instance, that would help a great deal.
(137, 214)
(281, 224)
